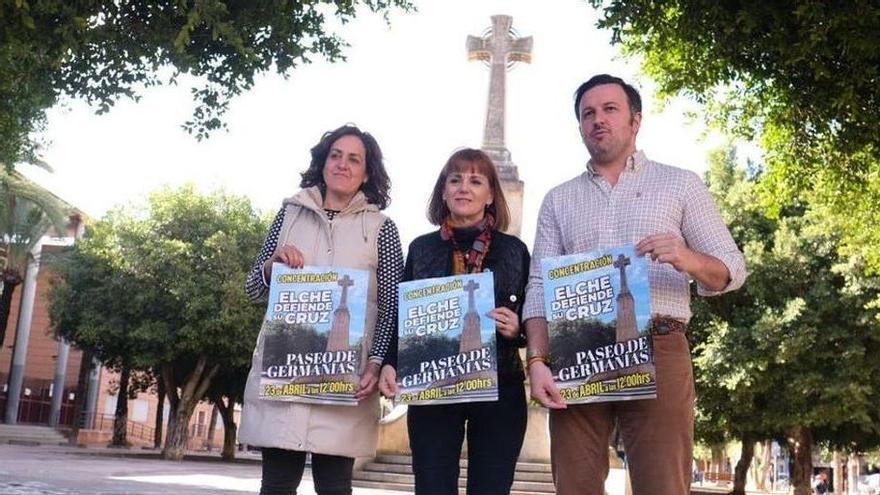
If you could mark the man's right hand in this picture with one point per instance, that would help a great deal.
(543, 388)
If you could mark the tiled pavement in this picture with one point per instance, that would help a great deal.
(42, 470)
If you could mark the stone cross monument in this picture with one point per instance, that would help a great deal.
(626, 306)
(470, 334)
(500, 48)
(337, 340)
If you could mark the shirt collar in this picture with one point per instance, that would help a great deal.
(634, 163)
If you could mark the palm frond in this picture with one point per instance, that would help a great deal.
(27, 212)
(9, 168)
(42, 164)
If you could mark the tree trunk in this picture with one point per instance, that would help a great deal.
(853, 470)
(173, 400)
(160, 411)
(120, 420)
(5, 304)
(212, 425)
(230, 430)
(10, 282)
(178, 432)
(766, 465)
(800, 445)
(82, 381)
(742, 466)
(715, 465)
(837, 480)
(184, 403)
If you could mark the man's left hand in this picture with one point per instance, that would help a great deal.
(668, 248)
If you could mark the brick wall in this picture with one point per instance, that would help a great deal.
(42, 352)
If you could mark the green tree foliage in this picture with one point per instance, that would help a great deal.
(87, 304)
(104, 50)
(578, 334)
(167, 280)
(418, 349)
(87, 309)
(801, 77)
(791, 355)
(280, 338)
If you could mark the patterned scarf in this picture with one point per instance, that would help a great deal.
(472, 260)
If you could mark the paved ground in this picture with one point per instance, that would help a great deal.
(43, 470)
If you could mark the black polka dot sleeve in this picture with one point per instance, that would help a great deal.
(388, 274)
(256, 286)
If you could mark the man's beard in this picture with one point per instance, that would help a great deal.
(600, 153)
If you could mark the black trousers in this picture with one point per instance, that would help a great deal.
(495, 432)
(283, 470)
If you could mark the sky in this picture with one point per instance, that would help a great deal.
(409, 83)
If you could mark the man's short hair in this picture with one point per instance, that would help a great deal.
(632, 94)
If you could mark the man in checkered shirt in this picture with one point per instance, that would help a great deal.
(668, 214)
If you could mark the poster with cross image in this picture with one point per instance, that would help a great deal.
(313, 339)
(447, 341)
(598, 308)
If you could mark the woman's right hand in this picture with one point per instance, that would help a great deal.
(388, 382)
(287, 254)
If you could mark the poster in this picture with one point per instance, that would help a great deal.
(313, 339)
(447, 343)
(598, 308)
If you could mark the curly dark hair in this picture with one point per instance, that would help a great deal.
(377, 187)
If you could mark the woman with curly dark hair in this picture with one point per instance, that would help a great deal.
(334, 220)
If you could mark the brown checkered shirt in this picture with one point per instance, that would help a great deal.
(586, 214)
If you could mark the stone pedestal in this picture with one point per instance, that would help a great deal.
(394, 438)
(499, 48)
(513, 193)
(393, 435)
(536, 444)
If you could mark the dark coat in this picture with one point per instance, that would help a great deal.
(508, 258)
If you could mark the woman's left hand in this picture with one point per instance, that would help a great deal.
(369, 381)
(506, 322)
(388, 382)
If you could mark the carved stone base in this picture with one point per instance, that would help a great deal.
(513, 193)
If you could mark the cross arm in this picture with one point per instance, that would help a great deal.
(478, 49)
(521, 50)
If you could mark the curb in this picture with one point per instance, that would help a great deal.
(151, 454)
